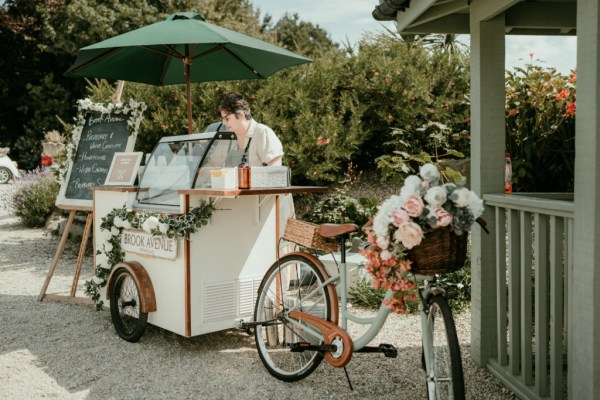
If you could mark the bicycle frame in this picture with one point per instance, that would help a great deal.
(376, 322)
(340, 279)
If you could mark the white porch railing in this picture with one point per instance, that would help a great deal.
(534, 257)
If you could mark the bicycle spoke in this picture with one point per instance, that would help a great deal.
(444, 365)
(292, 284)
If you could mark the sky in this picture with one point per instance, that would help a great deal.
(349, 20)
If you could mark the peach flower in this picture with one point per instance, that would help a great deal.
(442, 217)
(409, 234)
(413, 205)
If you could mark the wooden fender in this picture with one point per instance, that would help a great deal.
(143, 282)
(330, 288)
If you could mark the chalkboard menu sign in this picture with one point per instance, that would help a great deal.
(103, 135)
(102, 132)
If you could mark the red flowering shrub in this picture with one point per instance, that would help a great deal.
(540, 128)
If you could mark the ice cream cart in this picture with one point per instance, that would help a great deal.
(203, 283)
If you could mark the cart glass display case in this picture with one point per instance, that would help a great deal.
(183, 162)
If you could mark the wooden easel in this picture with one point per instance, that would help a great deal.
(61, 246)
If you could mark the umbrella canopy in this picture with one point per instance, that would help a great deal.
(183, 48)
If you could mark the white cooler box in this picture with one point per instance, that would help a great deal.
(267, 177)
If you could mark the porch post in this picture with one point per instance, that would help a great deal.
(584, 311)
(487, 171)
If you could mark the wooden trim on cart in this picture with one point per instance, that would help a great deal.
(142, 280)
(187, 278)
(253, 192)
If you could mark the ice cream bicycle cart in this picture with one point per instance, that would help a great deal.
(205, 281)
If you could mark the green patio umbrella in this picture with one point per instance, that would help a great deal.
(183, 48)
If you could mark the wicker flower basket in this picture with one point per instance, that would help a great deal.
(305, 234)
(441, 251)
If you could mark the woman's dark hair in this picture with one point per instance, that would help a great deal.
(234, 103)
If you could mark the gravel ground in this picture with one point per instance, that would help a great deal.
(58, 350)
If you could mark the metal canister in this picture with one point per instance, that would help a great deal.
(244, 176)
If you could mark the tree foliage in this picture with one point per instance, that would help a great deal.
(39, 41)
(301, 36)
(340, 109)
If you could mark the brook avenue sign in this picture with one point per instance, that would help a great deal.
(154, 246)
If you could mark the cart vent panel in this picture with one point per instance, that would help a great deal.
(219, 301)
(248, 290)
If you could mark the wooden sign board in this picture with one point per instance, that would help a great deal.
(123, 169)
(100, 134)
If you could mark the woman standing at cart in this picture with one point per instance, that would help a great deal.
(257, 143)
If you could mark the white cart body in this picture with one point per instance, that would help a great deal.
(212, 283)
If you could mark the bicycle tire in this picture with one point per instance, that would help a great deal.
(125, 307)
(299, 275)
(444, 365)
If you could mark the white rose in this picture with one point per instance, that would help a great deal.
(118, 222)
(429, 171)
(163, 228)
(115, 231)
(85, 103)
(383, 218)
(101, 260)
(435, 196)
(461, 197)
(385, 255)
(97, 280)
(475, 205)
(108, 247)
(150, 224)
(412, 181)
(126, 224)
(105, 235)
(383, 242)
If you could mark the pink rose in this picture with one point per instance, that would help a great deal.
(413, 205)
(442, 216)
(409, 234)
(399, 217)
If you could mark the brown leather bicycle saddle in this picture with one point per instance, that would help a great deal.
(335, 230)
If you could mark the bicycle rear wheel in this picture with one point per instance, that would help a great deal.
(292, 283)
(444, 364)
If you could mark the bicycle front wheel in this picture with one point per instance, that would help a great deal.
(294, 282)
(444, 364)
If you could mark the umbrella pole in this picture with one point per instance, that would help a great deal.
(189, 97)
(186, 61)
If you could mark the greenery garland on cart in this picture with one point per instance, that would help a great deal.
(119, 219)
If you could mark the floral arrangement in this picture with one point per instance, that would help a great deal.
(133, 109)
(119, 219)
(403, 221)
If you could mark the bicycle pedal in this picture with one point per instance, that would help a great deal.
(388, 350)
(304, 346)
